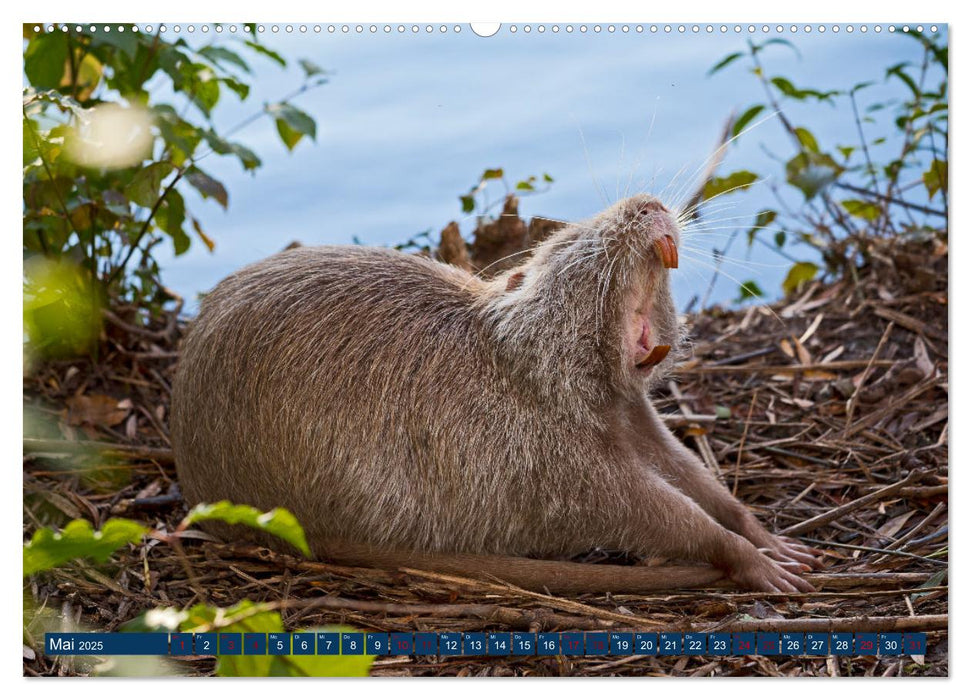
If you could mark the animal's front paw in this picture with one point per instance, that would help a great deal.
(753, 569)
(784, 550)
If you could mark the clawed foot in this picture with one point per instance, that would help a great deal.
(788, 551)
(762, 570)
(785, 550)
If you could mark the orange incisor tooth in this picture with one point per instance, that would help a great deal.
(668, 250)
(656, 356)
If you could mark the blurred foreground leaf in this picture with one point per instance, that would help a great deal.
(279, 521)
(78, 539)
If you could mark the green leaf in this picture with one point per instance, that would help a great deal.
(310, 68)
(127, 40)
(780, 238)
(933, 581)
(799, 274)
(785, 87)
(935, 179)
(811, 172)
(78, 539)
(292, 123)
(725, 61)
(525, 186)
(170, 216)
(468, 203)
(789, 90)
(547, 177)
(321, 666)
(208, 186)
(272, 55)
(846, 151)
(289, 137)
(747, 116)
(862, 209)
(249, 159)
(898, 71)
(145, 186)
(219, 55)
(208, 242)
(279, 521)
(749, 290)
(739, 180)
(807, 140)
(201, 86)
(241, 89)
(492, 174)
(44, 60)
(763, 219)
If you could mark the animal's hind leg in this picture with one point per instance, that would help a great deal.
(660, 519)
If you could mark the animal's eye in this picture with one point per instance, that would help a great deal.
(652, 206)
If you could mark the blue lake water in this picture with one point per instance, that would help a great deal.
(407, 123)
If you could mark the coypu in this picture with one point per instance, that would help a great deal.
(411, 414)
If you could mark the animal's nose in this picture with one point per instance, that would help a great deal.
(668, 250)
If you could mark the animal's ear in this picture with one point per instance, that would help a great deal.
(515, 281)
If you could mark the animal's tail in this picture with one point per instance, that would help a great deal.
(532, 574)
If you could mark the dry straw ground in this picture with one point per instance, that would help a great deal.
(827, 414)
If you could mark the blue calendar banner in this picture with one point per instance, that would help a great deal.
(376, 644)
(207, 644)
(817, 644)
(841, 644)
(450, 643)
(254, 643)
(523, 644)
(402, 643)
(887, 644)
(106, 643)
(915, 643)
(426, 643)
(767, 643)
(621, 643)
(571, 643)
(866, 644)
(645, 643)
(743, 643)
(720, 644)
(475, 644)
(230, 643)
(278, 643)
(669, 643)
(548, 643)
(352, 643)
(304, 643)
(181, 644)
(328, 643)
(792, 643)
(695, 643)
(597, 643)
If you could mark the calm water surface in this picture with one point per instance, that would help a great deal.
(407, 123)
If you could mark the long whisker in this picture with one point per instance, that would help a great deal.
(743, 286)
(718, 151)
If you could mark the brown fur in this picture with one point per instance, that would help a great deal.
(407, 411)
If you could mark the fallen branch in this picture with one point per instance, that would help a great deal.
(835, 513)
(834, 366)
